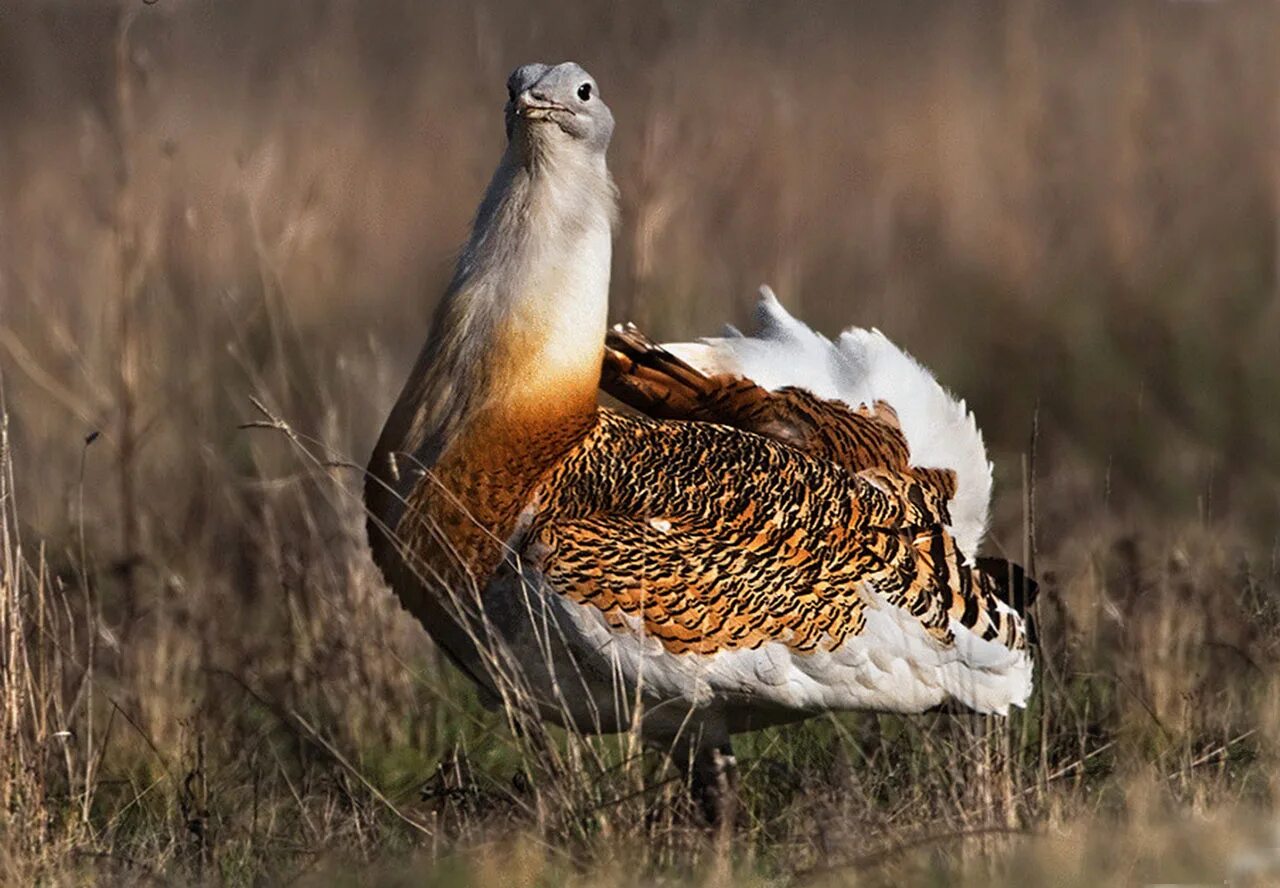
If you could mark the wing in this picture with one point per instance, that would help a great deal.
(714, 542)
(644, 375)
(860, 368)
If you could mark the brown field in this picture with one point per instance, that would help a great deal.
(1070, 211)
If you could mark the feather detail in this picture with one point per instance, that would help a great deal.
(708, 541)
(860, 369)
(644, 375)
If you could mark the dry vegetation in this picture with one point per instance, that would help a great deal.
(1068, 210)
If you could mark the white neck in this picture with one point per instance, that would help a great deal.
(522, 325)
(547, 280)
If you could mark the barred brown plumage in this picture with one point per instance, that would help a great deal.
(725, 573)
(939, 584)
(648, 377)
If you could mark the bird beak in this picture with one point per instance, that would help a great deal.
(532, 108)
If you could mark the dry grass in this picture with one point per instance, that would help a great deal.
(1068, 210)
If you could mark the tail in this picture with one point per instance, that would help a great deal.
(1011, 584)
(862, 368)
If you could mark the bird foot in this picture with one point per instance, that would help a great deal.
(714, 780)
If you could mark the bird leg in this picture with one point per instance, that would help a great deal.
(713, 782)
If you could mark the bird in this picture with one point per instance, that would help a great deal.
(766, 527)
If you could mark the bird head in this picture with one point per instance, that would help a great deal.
(556, 108)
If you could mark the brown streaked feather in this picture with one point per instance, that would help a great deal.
(644, 375)
(1010, 583)
(716, 540)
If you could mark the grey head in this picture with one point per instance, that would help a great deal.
(554, 106)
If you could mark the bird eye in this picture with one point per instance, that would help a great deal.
(584, 91)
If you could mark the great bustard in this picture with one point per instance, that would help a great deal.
(792, 528)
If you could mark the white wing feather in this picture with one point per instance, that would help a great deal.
(861, 367)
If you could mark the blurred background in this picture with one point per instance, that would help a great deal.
(1070, 211)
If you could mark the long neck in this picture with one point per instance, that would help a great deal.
(531, 289)
(517, 341)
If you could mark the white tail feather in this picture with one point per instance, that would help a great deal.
(861, 367)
